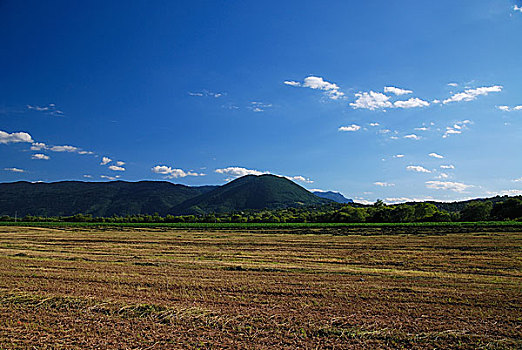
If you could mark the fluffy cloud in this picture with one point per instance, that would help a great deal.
(235, 172)
(447, 185)
(15, 170)
(371, 100)
(238, 171)
(110, 177)
(517, 8)
(518, 180)
(14, 137)
(120, 163)
(317, 83)
(411, 103)
(398, 156)
(352, 127)
(171, 173)
(510, 109)
(40, 156)
(38, 146)
(105, 160)
(300, 179)
(412, 137)
(449, 166)
(374, 124)
(417, 168)
(457, 128)
(116, 168)
(396, 90)
(472, 94)
(435, 155)
(383, 184)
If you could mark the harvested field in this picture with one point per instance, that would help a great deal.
(146, 288)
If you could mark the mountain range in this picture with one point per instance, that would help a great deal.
(120, 198)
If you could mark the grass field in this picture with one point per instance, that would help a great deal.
(164, 288)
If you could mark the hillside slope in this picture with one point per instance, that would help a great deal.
(97, 198)
(250, 192)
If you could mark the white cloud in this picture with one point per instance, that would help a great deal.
(453, 84)
(457, 128)
(38, 146)
(105, 160)
(413, 102)
(442, 176)
(15, 170)
(508, 193)
(352, 127)
(396, 200)
(383, 184)
(120, 163)
(398, 156)
(447, 185)
(259, 106)
(235, 172)
(87, 176)
(238, 171)
(292, 83)
(14, 137)
(64, 148)
(374, 124)
(518, 180)
(517, 8)
(435, 155)
(510, 109)
(449, 166)
(317, 83)
(40, 156)
(300, 179)
(471, 94)
(396, 90)
(49, 109)
(435, 101)
(116, 168)
(422, 128)
(417, 168)
(412, 137)
(371, 100)
(207, 94)
(110, 177)
(173, 173)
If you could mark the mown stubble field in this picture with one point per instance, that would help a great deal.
(131, 288)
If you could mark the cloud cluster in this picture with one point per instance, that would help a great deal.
(383, 184)
(40, 156)
(447, 185)
(472, 94)
(352, 127)
(417, 168)
(14, 137)
(171, 173)
(39, 146)
(206, 93)
(457, 128)
(259, 106)
(49, 109)
(15, 170)
(397, 91)
(510, 109)
(317, 83)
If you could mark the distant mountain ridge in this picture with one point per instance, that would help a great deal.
(334, 196)
(122, 198)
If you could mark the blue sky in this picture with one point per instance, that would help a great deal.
(395, 100)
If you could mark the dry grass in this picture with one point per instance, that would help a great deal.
(137, 288)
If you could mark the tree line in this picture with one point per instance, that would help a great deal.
(379, 212)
